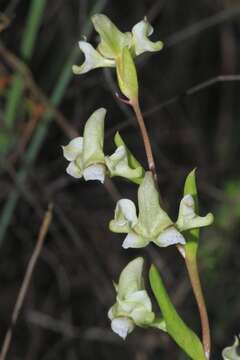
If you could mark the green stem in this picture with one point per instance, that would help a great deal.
(192, 267)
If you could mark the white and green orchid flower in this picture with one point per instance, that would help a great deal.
(133, 305)
(88, 160)
(112, 43)
(86, 153)
(152, 223)
(188, 219)
(232, 352)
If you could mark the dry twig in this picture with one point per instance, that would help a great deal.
(26, 281)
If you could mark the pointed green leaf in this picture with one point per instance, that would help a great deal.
(176, 327)
(127, 74)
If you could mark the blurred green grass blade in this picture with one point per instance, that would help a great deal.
(29, 36)
(40, 134)
(31, 29)
(186, 339)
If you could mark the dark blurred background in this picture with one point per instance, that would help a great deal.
(192, 114)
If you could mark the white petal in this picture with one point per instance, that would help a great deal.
(128, 210)
(73, 149)
(187, 218)
(133, 240)
(74, 170)
(170, 237)
(141, 31)
(93, 59)
(95, 172)
(122, 326)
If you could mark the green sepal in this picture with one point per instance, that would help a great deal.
(186, 339)
(93, 137)
(153, 220)
(159, 324)
(112, 40)
(127, 75)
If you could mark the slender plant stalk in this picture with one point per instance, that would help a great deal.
(148, 149)
(191, 255)
(192, 267)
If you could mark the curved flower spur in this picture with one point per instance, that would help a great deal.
(153, 224)
(112, 43)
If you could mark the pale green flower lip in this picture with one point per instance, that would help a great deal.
(133, 305)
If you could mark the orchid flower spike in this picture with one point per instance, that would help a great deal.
(232, 352)
(152, 223)
(86, 153)
(133, 305)
(112, 43)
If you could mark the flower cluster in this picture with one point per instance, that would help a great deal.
(153, 223)
(87, 158)
(113, 41)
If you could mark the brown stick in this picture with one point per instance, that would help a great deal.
(26, 281)
(191, 264)
(146, 140)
